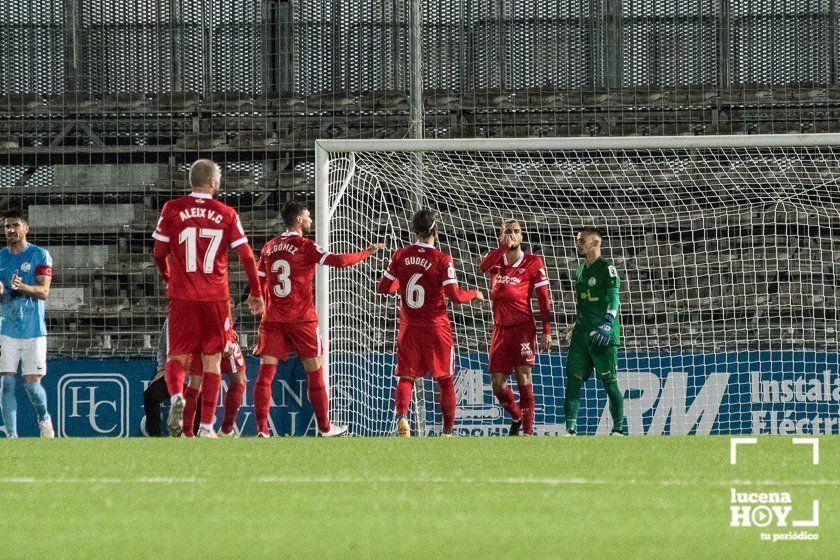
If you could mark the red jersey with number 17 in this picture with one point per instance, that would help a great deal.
(287, 262)
(199, 230)
(423, 272)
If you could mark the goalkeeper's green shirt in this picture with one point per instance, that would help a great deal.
(596, 287)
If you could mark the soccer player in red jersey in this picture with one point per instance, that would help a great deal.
(515, 276)
(424, 275)
(232, 365)
(289, 322)
(193, 235)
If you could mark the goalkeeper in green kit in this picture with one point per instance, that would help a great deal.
(594, 337)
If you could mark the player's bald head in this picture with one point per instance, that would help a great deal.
(203, 172)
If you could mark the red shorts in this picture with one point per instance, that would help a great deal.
(198, 326)
(232, 359)
(422, 350)
(511, 347)
(281, 339)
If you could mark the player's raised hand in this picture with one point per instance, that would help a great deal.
(16, 281)
(506, 240)
(375, 247)
(255, 305)
(545, 342)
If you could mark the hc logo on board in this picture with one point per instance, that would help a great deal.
(92, 404)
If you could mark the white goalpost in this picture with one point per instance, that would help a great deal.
(728, 249)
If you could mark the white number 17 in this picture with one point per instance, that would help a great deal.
(188, 236)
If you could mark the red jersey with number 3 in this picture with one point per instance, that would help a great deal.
(513, 287)
(199, 231)
(287, 262)
(422, 272)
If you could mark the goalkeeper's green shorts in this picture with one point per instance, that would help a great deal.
(583, 358)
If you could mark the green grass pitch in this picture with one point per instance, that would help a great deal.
(588, 497)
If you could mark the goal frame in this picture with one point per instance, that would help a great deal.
(324, 147)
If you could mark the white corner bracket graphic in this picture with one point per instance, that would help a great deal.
(815, 517)
(814, 442)
(733, 447)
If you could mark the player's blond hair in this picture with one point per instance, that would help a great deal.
(202, 171)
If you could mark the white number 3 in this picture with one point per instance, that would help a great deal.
(284, 285)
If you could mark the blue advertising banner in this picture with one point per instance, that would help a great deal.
(105, 398)
(720, 393)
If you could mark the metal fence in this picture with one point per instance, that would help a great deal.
(103, 104)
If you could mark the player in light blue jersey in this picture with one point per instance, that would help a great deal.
(25, 276)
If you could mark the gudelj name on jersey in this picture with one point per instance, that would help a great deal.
(417, 261)
(211, 215)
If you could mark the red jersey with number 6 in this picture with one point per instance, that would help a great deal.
(423, 272)
(199, 230)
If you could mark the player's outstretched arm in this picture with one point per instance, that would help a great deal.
(249, 263)
(388, 284)
(459, 296)
(343, 260)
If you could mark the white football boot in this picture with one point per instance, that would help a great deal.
(46, 428)
(175, 421)
(334, 431)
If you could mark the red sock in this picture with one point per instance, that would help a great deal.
(233, 400)
(404, 388)
(262, 395)
(526, 404)
(447, 402)
(317, 393)
(508, 402)
(190, 406)
(174, 375)
(210, 394)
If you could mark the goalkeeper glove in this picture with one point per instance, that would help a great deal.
(603, 334)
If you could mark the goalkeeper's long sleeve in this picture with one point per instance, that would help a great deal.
(614, 305)
(161, 252)
(457, 295)
(544, 302)
(493, 258)
(249, 263)
(343, 260)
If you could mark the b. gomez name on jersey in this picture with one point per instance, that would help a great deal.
(291, 249)
(211, 215)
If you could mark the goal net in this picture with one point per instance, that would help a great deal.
(727, 248)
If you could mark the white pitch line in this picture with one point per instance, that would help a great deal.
(421, 480)
(71, 480)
